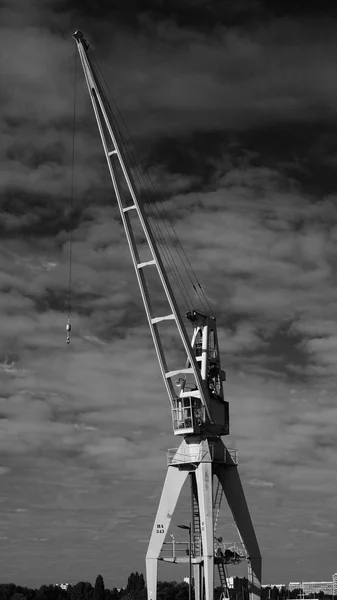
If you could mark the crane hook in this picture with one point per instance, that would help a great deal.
(68, 330)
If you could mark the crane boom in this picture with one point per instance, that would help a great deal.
(200, 395)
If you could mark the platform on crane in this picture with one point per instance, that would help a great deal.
(229, 553)
(194, 453)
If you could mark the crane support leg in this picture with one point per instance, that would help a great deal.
(175, 479)
(232, 487)
(204, 477)
(198, 580)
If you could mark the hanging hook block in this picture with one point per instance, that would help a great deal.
(68, 330)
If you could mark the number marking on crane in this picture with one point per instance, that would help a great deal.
(160, 528)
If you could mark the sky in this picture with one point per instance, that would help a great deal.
(233, 107)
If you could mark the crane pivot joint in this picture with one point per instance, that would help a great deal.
(191, 315)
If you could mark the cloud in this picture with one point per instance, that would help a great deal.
(85, 427)
(80, 404)
(241, 78)
(260, 483)
(83, 402)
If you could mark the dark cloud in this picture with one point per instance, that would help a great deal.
(200, 15)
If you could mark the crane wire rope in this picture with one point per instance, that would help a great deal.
(179, 248)
(157, 218)
(136, 174)
(173, 237)
(153, 223)
(152, 208)
(72, 180)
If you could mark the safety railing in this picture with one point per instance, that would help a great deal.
(174, 550)
(226, 552)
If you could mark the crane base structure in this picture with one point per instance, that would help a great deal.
(204, 460)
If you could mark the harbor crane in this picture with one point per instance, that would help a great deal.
(200, 412)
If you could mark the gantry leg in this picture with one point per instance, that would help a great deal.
(198, 581)
(174, 482)
(231, 484)
(204, 477)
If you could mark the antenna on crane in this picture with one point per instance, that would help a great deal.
(200, 412)
(68, 326)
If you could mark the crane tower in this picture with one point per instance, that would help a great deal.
(200, 413)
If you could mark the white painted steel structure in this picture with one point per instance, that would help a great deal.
(199, 409)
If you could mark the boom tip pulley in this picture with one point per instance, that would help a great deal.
(79, 37)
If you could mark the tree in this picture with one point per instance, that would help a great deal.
(82, 590)
(296, 593)
(99, 590)
(136, 586)
(45, 592)
(7, 590)
(18, 596)
(167, 590)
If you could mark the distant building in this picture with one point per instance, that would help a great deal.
(312, 587)
(334, 583)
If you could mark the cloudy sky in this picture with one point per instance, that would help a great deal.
(234, 107)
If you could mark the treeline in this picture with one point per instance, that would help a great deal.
(83, 590)
(136, 590)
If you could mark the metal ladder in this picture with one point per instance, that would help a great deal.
(221, 566)
(223, 580)
(216, 505)
(197, 545)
